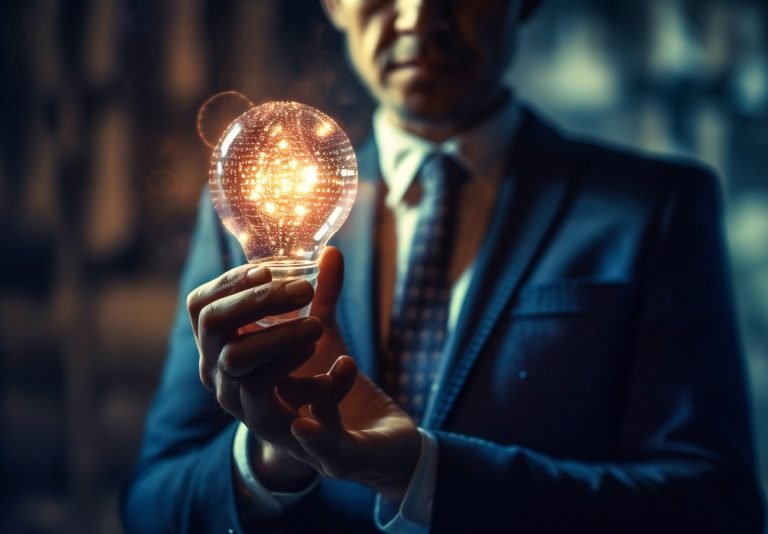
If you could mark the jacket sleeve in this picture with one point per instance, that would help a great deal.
(684, 461)
(183, 479)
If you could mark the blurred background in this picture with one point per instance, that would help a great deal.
(101, 166)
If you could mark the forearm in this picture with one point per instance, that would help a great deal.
(483, 485)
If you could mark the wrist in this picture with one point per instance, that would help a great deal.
(277, 470)
(395, 484)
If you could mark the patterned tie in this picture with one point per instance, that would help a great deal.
(418, 332)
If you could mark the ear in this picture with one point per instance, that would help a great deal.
(335, 13)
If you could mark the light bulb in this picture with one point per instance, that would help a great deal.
(283, 178)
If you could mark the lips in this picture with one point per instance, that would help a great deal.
(410, 52)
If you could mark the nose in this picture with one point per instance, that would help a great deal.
(422, 16)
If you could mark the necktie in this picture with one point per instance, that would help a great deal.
(418, 330)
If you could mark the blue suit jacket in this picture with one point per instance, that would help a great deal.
(593, 384)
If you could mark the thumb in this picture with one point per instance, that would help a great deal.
(329, 283)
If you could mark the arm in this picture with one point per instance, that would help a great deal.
(183, 480)
(684, 462)
(186, 479)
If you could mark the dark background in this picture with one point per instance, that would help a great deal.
(101, 166)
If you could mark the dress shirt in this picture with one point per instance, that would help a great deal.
(482, 151)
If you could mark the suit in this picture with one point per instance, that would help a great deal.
(593, 382)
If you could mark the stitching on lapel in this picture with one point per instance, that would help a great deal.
(548, 205)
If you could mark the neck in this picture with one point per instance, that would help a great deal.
(439, 130)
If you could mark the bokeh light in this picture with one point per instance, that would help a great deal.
(219, 111)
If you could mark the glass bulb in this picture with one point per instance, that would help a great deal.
(283, 179)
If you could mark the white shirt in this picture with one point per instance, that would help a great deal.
(483, 152)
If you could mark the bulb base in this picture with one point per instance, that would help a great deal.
(286, 269)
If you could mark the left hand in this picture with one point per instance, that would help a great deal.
(356, 431)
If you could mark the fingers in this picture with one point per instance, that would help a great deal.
(330, 387)
(245, 353)
(334, 451)
(325, 437)
(233, 281)
(259, 385)
(263, 381)
(223, 317)
(220, 320)
(267, 417)
(300, 391)
(253, 400)
(322, 393)
(343, 374)
(329, 283)
(228, 395)
(326, 408)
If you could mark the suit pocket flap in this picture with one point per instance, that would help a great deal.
(573, 297)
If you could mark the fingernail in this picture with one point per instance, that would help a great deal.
(298, 290)
(258, 275)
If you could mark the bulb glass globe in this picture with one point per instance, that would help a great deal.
(283, 178)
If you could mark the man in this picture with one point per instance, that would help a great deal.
(548, 322)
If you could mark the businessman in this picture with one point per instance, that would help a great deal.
(515, 330)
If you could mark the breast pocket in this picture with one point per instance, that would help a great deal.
(554, 363)
(569, 334)
(580, 298)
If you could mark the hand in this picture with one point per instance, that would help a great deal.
(365, 437)
(242, 363)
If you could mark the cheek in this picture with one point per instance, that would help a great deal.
(364, 41)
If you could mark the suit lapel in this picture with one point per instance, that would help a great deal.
(530, 199)
(357, 310)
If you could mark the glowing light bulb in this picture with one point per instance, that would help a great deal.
(283, 179)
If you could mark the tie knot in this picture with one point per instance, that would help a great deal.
(441, 174)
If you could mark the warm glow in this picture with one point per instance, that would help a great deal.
(285, 176)
(310, 174)
(323, 130)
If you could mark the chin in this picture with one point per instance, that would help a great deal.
(433, 104)
(434, 109)
(435, 96)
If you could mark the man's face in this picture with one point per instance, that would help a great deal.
(430, 61)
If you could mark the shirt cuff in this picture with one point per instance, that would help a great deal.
(414, 515)
(264, 503)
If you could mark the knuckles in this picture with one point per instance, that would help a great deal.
(224, 284)
(230, 279)
(206, 317)
(228, 358)
(205, 377)
(263, 292)
(193, 298)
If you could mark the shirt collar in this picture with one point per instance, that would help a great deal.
(481, 150)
